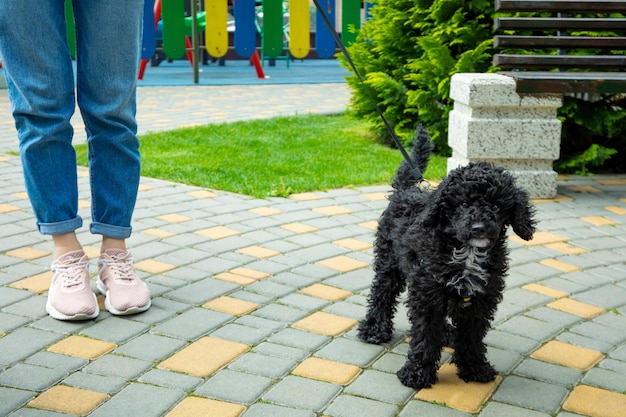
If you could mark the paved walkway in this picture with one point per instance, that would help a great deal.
(255, 301)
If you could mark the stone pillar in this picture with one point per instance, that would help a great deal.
(491, 122)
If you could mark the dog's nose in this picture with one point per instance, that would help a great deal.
(479, 229)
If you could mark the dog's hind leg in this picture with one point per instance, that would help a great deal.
(382, 304)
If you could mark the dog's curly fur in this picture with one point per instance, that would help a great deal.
(449, 247)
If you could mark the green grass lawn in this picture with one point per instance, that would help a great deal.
(273, 157)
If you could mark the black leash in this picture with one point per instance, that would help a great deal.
(417, 173)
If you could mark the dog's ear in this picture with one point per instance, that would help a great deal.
(523, 221)
(433, 211)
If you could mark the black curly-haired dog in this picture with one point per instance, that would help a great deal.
(449, 247)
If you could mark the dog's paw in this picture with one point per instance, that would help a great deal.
(484, 373)
(375, 332)
(417, 377)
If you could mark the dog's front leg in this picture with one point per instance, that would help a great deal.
(427, 322)
(470, 354)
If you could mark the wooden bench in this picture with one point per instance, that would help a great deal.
(547, 38)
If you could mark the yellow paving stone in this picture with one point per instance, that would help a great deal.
(376, 196)
(204, 356)
(373, 225)
(612, 181)
(332, 210)
(558, 198)
(577, 308)
(201, 194)
(3, 159)
(234, 278)
(564, 354)
(585, 189)
(7, 208)
(265, 211)
(27, 253)
(622, 200)
(542, 289)
(39, 283)
(561, 266)
(305, 197)
(174, 218)
(353, 244)
(154, 267)
(617, 210)
(250, 273)
(539, 238)
(217, 232)
(298, 227)
(21, 195)
(82, 347)
(566, 248)
(325, 323)
(230, 305)
(83, 204)
(456, 393)
(258, 252)
(327, 371)
(92, 252)
(205, 407)
(157, 233)
(326, 292)
(595, 402)
(69, 400)
(598, 221)
(144, 187)
(342, 263)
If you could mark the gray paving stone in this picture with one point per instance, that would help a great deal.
(350, 406)
(389, 362)
(503, 360)
(530, 327)
(13, 398)
(24, 342)
(115, 329)
(524, 298)
(150, 347)
(269, 288)
(202, 291)
(280, 313)
(552, 316)
(530, 394)
(303, 302)
(98, 383)
(614, 365)
(267, 366)
(34, 412)
(56, 361)
(271, 410)
(33, 307)
(242, 334)
(192, 324)
(352, 281)
(605, 378)
(118, 366)
(350, 351)
(598, 331)
(169, 379)
(260, 323)
(31, 377)
(548, 372)
(494, 409)
(380, 386)
(10, 296)
(232, 386)
(280, 351)
(288, 392)
(346, 309)
(421, 408)
(586, 342)
(508, 341)
(131, 401)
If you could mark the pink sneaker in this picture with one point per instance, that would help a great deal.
(117, 279)
(70, 296)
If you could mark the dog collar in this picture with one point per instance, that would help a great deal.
(467, 301)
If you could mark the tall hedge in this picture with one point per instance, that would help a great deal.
(407, 52)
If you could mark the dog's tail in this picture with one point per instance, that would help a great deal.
(422, 147)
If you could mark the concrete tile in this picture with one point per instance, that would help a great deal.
(326, 292)
(353, 244)
(611, 181)
(566, 248)
(328, 371)
(82, 347)
(203, 357)
(153, 266)
(217, 232)
(37, 283)
(258, 252)
(559, 265)
(174, 218)
(265, 211)
(325, 324)
(162, 234)
(69, 400)
(595, 402)
(616, 209)
(204, 407)
(537, 395)
(576, 308)
(542, 289)
(371, 225)
(342, 263)
(564, 354)
(539, 238)
(379, 196)
(201, 194)
(456, 393)
(299, 228)
(305, 197)
(235, 278)
(27, 253)
(584, 189)
(231, 305)
(598, 220)
(351, 406)
(288, 392)
(332, 210)
(8, 208)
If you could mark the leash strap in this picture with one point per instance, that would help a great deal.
(417, 173)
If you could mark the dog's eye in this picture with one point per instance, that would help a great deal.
(495, 208)
(464, 204)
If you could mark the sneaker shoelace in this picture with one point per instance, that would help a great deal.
(72, 273)
(122, 267)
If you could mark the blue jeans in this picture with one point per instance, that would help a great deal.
(43, 94)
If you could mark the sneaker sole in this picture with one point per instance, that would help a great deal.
(132, 310)
(56, 314)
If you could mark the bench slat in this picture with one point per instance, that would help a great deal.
(560, 6)
(542, 82)
(554, 23)
(559, 61)
(601, 42)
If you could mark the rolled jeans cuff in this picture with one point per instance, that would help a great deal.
(115, 232)
(60, 228)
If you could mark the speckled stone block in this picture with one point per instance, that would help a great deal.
(491, 122)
